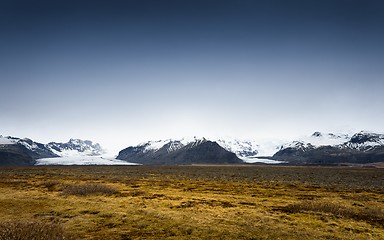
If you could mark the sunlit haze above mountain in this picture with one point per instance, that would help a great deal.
(123, 72)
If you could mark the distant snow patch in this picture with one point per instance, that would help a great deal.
(4, 140)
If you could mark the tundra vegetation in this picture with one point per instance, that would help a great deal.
(191, 202)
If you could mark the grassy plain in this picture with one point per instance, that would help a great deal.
(194, 202)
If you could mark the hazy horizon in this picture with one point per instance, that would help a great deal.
(123, 72)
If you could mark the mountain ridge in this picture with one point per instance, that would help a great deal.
(362, 147)
(18, 151)
(318, 148)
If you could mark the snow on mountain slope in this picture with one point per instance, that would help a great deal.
(252, 151)
(365, 141)
(329, 139)
(6, 140)
(199, 151)
(247, 150)
(26, 142)
(269, 147)
(75, 147)
(26, 146)
(316, 140)
(29, 144)
(363, 147)
(154, 145)
(192, 143)
(242, 148)
(74, 152)
(174, 144)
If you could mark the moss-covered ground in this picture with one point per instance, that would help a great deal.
(197, 202)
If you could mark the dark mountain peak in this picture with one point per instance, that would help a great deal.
(197, 142)
(208, 152)
(79, 141)
(75, 141)
(363, 137)
(27, 140)
(317, 134)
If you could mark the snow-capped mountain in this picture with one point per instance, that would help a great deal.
(242, 148)
(6, 140)
(252, 151)
(183, 151)
(318, 139)
(365, 141)
(172, 145)
(35, 149)
(362, 141)
(75, 147)
(329, 148)
(247, 150)
(17, 151)
(318, 148)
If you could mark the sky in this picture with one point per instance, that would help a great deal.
(123, 72)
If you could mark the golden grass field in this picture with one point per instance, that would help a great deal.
(191, 202)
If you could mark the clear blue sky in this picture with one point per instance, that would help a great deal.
(122, 72)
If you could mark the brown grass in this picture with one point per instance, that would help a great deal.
(197, 202)
(20, 230)
(87, 189)
(370, 214)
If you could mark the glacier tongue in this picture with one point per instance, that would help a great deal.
(82, 160)
(242, 148)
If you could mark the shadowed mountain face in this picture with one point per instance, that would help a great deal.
(15, 155)
(16, 151)
(198, 152)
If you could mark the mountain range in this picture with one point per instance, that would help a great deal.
(362, 147)
(17, 151)
(318, 148)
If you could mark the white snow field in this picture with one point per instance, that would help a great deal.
(82, 160)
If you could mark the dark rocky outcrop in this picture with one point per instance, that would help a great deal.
(15, 155)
